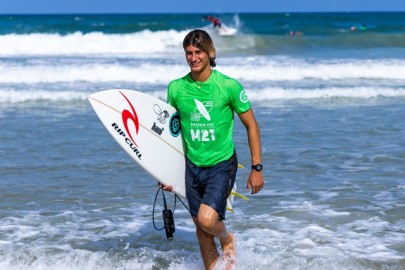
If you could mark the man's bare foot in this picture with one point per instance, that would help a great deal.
(229, 252)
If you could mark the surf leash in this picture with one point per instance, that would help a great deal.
(167, 214)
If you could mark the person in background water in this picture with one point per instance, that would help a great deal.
(215, 21)
(363, 27)
(295, 34)
(206, 100)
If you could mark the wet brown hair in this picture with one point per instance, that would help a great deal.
(200, 39)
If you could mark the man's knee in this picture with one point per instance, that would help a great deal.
(207, 218)
(206, 223)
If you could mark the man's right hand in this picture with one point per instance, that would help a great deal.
(166, 188)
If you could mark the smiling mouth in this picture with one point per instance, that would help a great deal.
(194, 64)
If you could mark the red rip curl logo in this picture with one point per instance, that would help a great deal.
(127, 115)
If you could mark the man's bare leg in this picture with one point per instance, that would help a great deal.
(208, 248)
(209, 223)
(229, 252)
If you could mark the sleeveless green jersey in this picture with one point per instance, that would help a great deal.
(207, 115)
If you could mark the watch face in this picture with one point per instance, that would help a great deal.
(257, 167)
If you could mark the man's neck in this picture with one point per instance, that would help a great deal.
(201, 76)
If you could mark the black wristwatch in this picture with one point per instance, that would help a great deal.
(257, 167)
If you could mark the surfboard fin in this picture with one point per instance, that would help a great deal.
(239, 195)
(229, 201)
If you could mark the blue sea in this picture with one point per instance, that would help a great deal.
(330, 103)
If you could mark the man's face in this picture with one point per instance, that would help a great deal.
(197, 59)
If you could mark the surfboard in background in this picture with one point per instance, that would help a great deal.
(222, 31)
(148, 129)
(226, 31)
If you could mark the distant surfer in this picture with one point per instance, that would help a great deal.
(206, 100)
(295, 33)
(216, 23)
(363, 27)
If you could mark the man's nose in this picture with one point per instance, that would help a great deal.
(193, 57)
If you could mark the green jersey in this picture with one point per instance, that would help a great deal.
(207, 115)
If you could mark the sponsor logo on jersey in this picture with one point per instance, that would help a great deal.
(203, 135)
(202, 110)
(202, 132)
(243, 97)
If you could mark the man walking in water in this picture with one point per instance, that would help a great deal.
(206, 100)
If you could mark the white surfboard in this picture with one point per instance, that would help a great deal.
(226, 31)
(148, 129)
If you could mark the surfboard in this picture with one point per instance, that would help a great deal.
(148, 129)
(226, 31)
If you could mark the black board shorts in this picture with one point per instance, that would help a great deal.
(210, 185)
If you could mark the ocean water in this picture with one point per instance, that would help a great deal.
(330, 103)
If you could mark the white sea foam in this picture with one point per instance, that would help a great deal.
(13, 96)
(66, 67)
(90, 72)
(325, 93)
(97, 70)
(94, 43)
(264, 80)
(283, 243)
(292, 69)
(337, 245)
